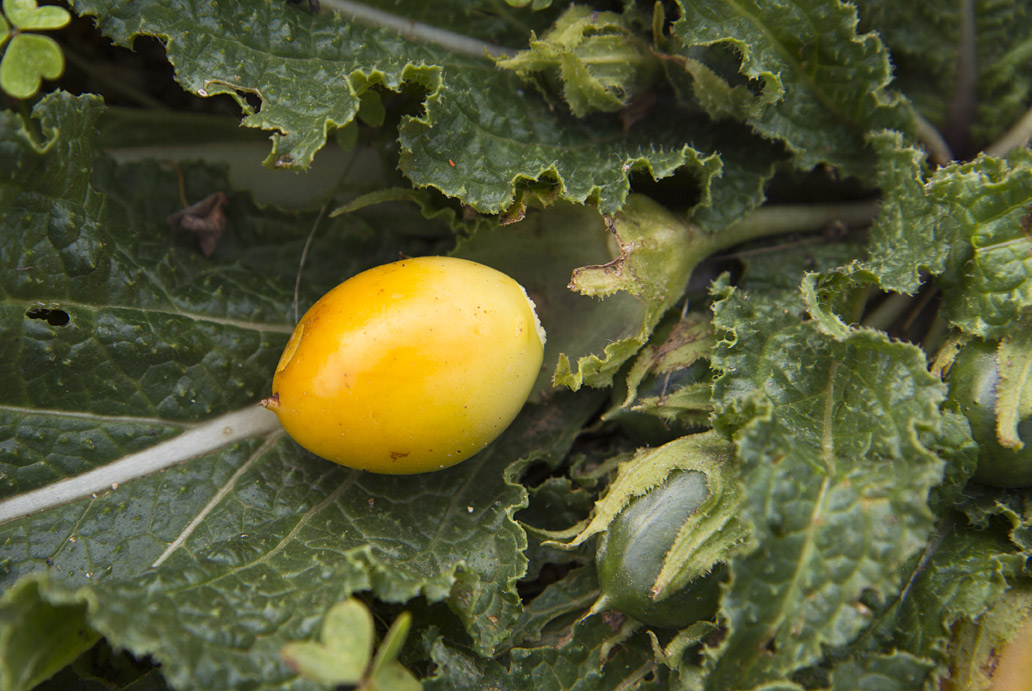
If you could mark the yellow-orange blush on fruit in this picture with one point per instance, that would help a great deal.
(409, 367)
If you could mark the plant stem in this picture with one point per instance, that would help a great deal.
(1016, 136)
(416, 31)
(197, 440)
(768, 221)
(936, 335)
(938, 150)
(891, 309)
(961, 109)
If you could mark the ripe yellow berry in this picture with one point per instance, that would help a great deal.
(409, 367)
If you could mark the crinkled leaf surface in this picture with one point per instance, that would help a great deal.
(836, 478)
(964, 65)
(967, 222)
(481, 137)
(486, 20)
(896, 672)
(573, 661)
(905, 238)
(988, 282)
(639, 270)
(976, 645)
(796, 52)
(120, 335)
(962, 574)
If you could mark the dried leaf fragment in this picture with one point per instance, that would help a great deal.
(206, 218)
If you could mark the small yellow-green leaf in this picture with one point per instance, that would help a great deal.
(393, 640)
(29, 59)
(371, 110)
(345, 650)
(319, 663)
(348, 628)
(40, 636)
(25, 15)
(393, 677)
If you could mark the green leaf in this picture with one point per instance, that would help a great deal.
(981, 504)
(796, 52)
(547, 618)
(534, 4)
(345, 649)
(965, 66)
(330, 530)
(828, 430)
(895, 672)
(122, 344)
(28, 60)
(480, 140)
(308, 71)
(392, 643)
(670, 379)
(393, 677)
(654, 256)
(577, 661)
(906, 237)
(966, 222)
(37, 641)
(26, 16)
(965, 574)
(472, 121)
(595, 56)
(986, 203)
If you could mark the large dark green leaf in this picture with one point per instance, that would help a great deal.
(796, 53)
(242, 546)
(964, 65)
(828, 433)
(482, 137)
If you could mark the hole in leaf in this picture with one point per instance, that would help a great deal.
(52, 317)
(253, 100)
(548, 574)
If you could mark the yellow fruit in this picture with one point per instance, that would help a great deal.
(1014, 671)
(409, 367)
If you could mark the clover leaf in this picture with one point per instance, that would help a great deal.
(29, 58)
(344, 654)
